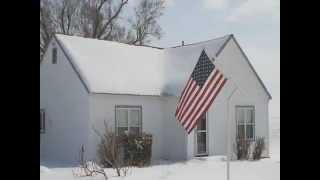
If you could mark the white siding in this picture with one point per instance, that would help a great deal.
(175, 137)
(66, 103)
(102, 107)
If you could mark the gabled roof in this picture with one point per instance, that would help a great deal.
(117, 68)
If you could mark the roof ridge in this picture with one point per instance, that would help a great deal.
(149, 46)
(88, 38)
(199, 42)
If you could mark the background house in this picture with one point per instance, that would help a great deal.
(84, 82)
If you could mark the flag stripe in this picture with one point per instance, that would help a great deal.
(196, 101)
(207, 105)
(204, 84)
(192, 84)
(202, 100)
(183, 95)
(185, 105)
(195, 98)
(183, 92)
(186, 96)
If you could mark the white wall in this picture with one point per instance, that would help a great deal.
(250, 92)
(66, 103)
(175, 137)
(102, 107)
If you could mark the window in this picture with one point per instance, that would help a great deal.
(54, 55)
(128, 120)
(42, 121)
(202, 136)
(245, 122)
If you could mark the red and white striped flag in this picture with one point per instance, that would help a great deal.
(202, 88)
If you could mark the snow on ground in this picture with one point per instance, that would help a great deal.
(275, 140)
(213, 167)
(44, 169)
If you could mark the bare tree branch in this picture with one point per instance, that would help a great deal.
(145, 22)
(99, 19)
(123, 2)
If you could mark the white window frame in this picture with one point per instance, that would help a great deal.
(207, 139)
(128, 108)
(42, 121)
(245, 123)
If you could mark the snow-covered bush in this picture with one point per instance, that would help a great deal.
(88, 168)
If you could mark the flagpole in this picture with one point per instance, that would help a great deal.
(228, 126)
(229, 133)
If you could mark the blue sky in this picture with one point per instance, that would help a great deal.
(255, 24)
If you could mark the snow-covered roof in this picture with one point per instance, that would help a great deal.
(111, 67)
(117, 68)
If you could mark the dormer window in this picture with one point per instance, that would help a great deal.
(54, 55)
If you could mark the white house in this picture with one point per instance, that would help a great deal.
(84, 82)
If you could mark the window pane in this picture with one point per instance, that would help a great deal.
(122, 117)
(201, 125)
(240, 114)
(122, 130)
(201, 140)
(241, 134)
(249, 131)
(135, 117)
(134, 130)
(250, 115)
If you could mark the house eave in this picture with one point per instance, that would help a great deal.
(247, 59)
(71, 63)
(131, 94)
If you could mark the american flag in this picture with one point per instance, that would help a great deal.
(203, 86)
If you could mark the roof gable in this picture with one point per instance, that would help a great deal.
(252, 68)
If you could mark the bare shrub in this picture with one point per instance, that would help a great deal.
(137, 149)
(109, 150)
(126, 169)
(242, 148)
(258, 147)
(122, 152)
